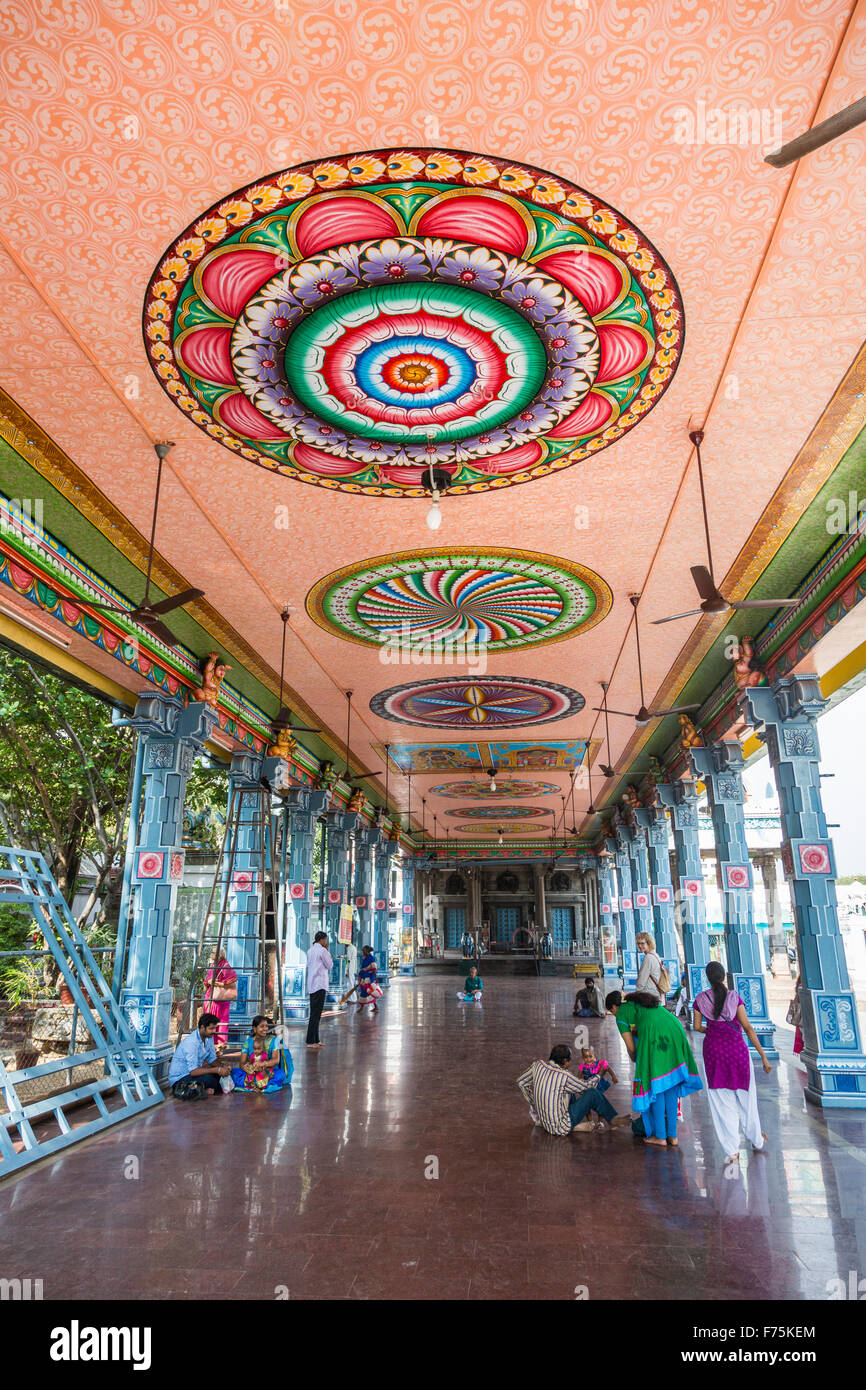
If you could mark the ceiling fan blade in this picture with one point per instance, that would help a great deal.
(622, 712)
(363, 776)
(675, 617)
(155, 626)
(166, 605)
(109, 608)
(284, 721)
(766, 603)
(677, 709)
(704, 583)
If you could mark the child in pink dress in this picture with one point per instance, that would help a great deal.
(590, 1066)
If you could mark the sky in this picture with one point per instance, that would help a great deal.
(843, 753)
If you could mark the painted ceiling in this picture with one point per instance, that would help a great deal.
(302, 243)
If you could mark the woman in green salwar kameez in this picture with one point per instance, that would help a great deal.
(664, 1066)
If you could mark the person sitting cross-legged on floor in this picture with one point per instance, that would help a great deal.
(473, 986)
(588, 1002)
(560, 1101)
(266, 1065)
(195, 1058)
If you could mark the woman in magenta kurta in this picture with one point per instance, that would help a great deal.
(220, 990)
(720, 1015)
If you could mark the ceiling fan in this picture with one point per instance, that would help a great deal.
(605, 769)
(149, 615)
(590, 810)
(644, 715)
(711, 600)
(347, 775)
(284, 718)
(821, 134)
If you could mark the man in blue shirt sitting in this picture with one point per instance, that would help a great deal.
(195, 1058)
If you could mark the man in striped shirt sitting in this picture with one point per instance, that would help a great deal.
(561, 1102)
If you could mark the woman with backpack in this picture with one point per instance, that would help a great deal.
(652, 977)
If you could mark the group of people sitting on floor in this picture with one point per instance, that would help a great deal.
(665, 1071)
(195, 1071)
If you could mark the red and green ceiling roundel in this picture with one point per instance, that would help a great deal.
(453, 603)
(464, 702)
(349, 322)
(505, 787)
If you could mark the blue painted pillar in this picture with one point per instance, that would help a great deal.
(720, 768)
(627, 927)
(244, 877)
(784, 718)
(171, 736)
(385, 850)
(655, 824)
(682, 798)
(608, 911)
(642, 909)
(407, 926)
(303, 807)
(341, 826)
(366, 845)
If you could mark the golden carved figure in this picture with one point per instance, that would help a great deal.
(284, 745)
(689, 738)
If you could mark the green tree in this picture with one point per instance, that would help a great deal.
(65, 779)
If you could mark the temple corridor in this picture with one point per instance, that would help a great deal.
(320, 1191)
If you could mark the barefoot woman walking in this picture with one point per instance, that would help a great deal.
(720, 1015)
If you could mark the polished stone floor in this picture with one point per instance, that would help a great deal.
(322, 1191)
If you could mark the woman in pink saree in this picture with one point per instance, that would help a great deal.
(221, 988)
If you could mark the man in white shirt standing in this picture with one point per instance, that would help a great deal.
(319, 966)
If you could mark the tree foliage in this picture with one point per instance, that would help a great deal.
(65, 775)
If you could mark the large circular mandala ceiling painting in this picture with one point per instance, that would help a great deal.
(499, 599)
(505, 787)
(348, 323)
(469, 702)
(498, 812)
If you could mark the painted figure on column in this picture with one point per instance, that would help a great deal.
(213, 674)
(284, 744)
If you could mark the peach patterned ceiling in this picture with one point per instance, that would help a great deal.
(126, 121)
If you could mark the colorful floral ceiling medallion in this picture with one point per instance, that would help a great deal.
(478, 830)
(498, 812)
(506, 786)
(471, 702)
(349, 322)
(457, 600)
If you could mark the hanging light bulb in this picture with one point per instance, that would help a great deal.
(499, 841)
(492, 778)
(436, 484)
